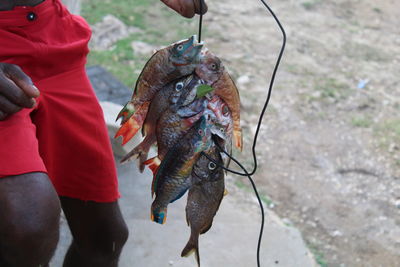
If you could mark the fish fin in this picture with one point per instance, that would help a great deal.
(226, 192)
(158, 215)
(128, 130)
(153, 164)
(205, 230)
(238, 139)
(126, 112)
(140, 152)
(192, 246)
(179, 195)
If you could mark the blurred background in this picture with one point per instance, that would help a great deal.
(329, 148)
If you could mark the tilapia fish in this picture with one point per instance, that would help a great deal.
(172, 124)
(178, 118)
(173, 176)
(169, 98)
(165, 66)
(212, 71)
(204, 199)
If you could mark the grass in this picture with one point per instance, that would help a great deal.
(365, 52)
(159, 26)
(328, 89)
(331, 88)
(310, 5)
(264, 198)
(361, 121)
(389, 132)
(318, 255)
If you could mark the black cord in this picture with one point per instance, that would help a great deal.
(246, 173)
(201, 20)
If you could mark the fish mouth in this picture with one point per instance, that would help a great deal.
(192, 53)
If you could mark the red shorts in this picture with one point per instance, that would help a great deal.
(65, 134)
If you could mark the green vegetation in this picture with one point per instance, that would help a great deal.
(389, 132)
(159, 27)
(361, 121)
(365, 52)
(328, 89)
(264, 198)
(331, 88)
(318, 255)
(310, 5)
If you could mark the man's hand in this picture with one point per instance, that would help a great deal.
(187, 8)
(16, 90)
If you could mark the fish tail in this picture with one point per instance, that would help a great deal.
(126, 112)
(192, 246)
(158, 215)
(237, 134)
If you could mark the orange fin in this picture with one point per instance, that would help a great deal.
(237, 134)
(126, 112)
(153, 164)
(226, 192)
(130, 128)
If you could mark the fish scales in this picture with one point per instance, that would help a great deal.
(173, 176)
(204, 199)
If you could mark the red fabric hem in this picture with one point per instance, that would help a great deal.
(19, 172)
(90, 197)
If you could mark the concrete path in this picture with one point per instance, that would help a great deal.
(231, 241)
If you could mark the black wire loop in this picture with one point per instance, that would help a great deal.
(245, 172)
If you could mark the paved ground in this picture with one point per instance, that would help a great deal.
(231, 241)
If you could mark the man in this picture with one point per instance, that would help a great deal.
(54, 146)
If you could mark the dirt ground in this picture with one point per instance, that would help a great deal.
(329, 151)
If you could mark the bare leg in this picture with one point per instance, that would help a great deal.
(29, 220)
(99, 233)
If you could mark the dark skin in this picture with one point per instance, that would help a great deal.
(29, 205)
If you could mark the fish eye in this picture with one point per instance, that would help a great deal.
(225, 110)
(200, 131)
(222, 130)
(179, 47)
(214, 66)
(179, 86)
(212, 166)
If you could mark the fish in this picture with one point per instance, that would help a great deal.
(165, 98)
(166, 65)
(213, 72)
(172, 179)
(204, 199)
(179, 118)
(173, 125)
(165, 104)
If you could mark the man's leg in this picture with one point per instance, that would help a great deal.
(29, 220)
(99, 233)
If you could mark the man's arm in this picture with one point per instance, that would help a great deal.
(187, 8)
(16, 90)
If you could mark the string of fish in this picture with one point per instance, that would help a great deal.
(172, 105)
